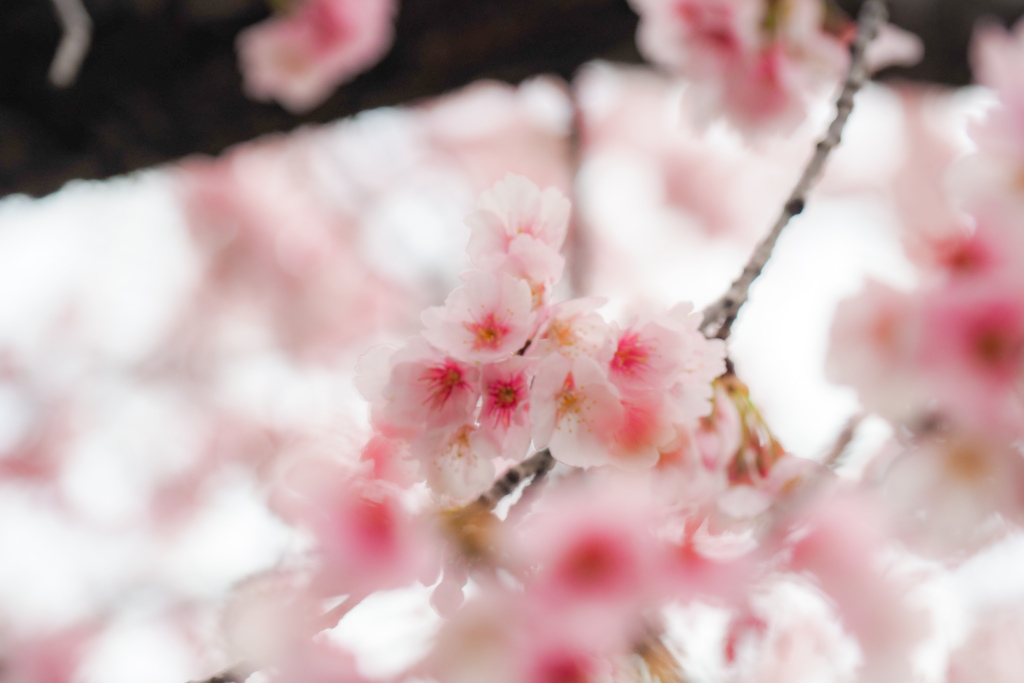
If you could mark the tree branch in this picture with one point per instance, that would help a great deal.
(536, 466)
(720, 316)
(74, 44)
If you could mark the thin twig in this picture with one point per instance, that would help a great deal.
(837, 454)
(536, 466)
(720, 316)
(74, 44)
(578, 247)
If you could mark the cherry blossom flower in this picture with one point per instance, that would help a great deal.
(519, 230)
(841, 546)
(367, 540)
(300, 58)
(458, 462)
(574, 410)
(757, 63)
(573, 328)
(425, 389)
(593, 557)
(505, 411)
(485, 320)
(972, 351)
(939, 493)
(872, 344)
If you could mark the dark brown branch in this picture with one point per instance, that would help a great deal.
(536, 466)
(720, 316)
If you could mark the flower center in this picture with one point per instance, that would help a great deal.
(630, 356)
(442, 381)
(488, 332)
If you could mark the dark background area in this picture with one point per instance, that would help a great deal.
(161, 79)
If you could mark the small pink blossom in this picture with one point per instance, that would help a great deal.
(458, 462)
(486, 320)
(872, 346)
(972, 351)
(574, 328)
(841, 544)
(425, 389)
(645, 431)
(367, 540)
(575, 410)
(519, 230)
(668, 356)
(505, 410)
(300, 58)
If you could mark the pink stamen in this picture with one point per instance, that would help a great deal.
(442, 381)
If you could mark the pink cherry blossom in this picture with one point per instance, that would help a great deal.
(841, 545)
(940, 492)
(486, 320)
(574, 410)
(425, 389)
(872, 345)
(667, 356)
(594, 557)
(519, 230)
(573, 328)
(458, 462)
(757, 63)
(300, 58)
(505, 410)
(972, 351)
(367, 540)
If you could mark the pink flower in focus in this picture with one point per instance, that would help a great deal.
(668, 357)
(574, 328)
(486, 320)
(425, 389)
(300, 58)
(574, 410)
(505, 410)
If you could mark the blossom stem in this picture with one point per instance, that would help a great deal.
(536, 466)
(720, 315)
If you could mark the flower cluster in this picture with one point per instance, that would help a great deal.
(499, 366)
(675, 469)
